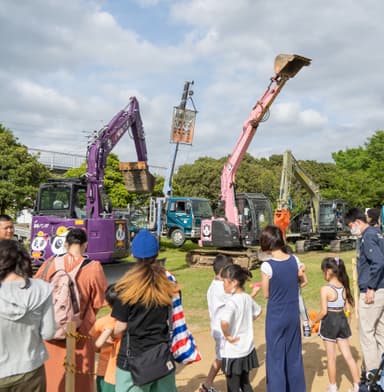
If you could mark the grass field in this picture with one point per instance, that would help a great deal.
(194, 282)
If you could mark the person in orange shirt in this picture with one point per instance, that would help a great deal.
(105, 346)
(92, 284)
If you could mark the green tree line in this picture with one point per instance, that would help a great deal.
(354, 176)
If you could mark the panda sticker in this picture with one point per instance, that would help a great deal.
(58, 241)
(38, 245)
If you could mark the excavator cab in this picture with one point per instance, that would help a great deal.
(288, 65)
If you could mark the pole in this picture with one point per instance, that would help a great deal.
(167, 189)
(70, 358)
(355, 290)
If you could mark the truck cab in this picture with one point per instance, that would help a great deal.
(182, 218)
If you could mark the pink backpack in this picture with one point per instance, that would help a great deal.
(66, 296)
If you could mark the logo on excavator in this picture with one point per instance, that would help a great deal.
(207, 230)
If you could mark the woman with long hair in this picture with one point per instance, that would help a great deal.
(26, 318)
(280, 278)
(142, 310)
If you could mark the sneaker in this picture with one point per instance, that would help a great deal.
(355, 388)
(203, 388)
(332, 388)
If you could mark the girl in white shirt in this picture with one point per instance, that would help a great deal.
(239, 354)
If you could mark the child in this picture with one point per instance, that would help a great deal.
(216, 298)
(238, 354)
(336, 298)
(105, 346)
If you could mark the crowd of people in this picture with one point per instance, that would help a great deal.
(133, 337)
(282, 278)
(139, 319)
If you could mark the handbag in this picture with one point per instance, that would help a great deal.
(183, 345)
(151, 365)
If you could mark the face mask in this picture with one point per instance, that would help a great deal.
(355, 231)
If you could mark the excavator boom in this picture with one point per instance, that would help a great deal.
(282, 213)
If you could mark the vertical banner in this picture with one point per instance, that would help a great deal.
(183, 125)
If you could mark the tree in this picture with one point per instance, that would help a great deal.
(359, 172)
(20, 174)
(200, 179)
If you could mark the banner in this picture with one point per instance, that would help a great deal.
(183, 125)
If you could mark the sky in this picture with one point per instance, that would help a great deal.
(67, 67)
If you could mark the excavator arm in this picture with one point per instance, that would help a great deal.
(102, 145)
(282, 213)
(286, 67)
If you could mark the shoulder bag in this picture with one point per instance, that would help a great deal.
(152, 364)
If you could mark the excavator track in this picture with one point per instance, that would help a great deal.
(343, 245)
(250, 258)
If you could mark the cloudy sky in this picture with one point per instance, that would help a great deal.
(67, 67)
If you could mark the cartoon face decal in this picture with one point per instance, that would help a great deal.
(39, 243)
(207, 230)
(58, 242)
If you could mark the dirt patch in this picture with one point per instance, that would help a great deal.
(189, 377)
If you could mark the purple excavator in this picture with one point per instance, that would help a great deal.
(82, 202)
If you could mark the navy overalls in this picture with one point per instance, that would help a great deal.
(284, 362)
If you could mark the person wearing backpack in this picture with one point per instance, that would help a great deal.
(26, 318)
(90, 284)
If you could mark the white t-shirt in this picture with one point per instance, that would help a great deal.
(267, 269)
(239, 312)
(216, 298)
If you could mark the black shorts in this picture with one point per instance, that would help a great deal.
(334, 326)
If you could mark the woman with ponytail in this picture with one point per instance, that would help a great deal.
(280, 276)
(142, 309)
(336, 300)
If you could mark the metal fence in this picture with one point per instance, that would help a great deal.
(57, 160)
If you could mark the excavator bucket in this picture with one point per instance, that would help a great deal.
(288, 65)
(137, 178)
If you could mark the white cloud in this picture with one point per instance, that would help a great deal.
(312, 118)
(37, 97)
(288, 112)
(68, 67)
